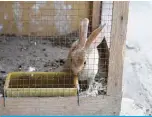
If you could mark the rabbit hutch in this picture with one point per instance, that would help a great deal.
(37, 38)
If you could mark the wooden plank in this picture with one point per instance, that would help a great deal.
(101, 105)
(22, 18)
(96, 14)
(118, 37)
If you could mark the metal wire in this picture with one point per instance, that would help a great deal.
(37, 36)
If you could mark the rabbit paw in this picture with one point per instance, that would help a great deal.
(88, 93)
(93, 93)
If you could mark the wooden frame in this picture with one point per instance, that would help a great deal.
(101, 105)
(96, 14)
(118, 37)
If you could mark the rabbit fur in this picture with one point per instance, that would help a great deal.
(83, 57)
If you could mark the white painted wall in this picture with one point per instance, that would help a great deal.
(137, 77)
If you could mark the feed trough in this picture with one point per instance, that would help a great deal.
(40, 84)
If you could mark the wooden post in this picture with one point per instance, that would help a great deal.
(96, 14)
(118, 37)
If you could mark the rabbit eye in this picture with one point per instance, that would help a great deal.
(84, 62)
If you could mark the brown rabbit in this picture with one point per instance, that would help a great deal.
(83, 57)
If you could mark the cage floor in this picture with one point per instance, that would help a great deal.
(24, 53)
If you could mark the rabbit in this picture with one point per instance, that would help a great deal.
(83, 56)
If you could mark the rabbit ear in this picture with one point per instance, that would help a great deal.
(93, 39)
(83, 31)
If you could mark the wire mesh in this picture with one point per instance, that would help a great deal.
(37, 37)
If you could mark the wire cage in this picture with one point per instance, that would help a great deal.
(37, 40)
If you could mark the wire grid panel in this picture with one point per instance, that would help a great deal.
(106, 17)
(104, 47)
(37, 37)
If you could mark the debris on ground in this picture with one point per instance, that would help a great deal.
(24, 54)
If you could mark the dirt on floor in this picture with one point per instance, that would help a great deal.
(35, 54)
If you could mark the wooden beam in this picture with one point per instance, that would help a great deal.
(99, 105)
(96, 14)
(118, 37)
